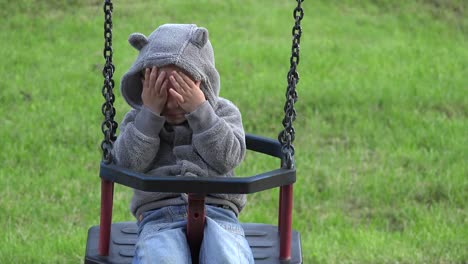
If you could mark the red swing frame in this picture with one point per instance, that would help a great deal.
(196, 219)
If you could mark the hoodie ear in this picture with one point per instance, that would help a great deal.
(137, 40)
(200, 37)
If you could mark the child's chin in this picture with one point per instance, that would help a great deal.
(175, 121)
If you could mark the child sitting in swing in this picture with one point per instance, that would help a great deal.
(179, 126)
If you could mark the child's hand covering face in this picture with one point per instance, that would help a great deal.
(154, 93)
(169, 92)
(186, 92)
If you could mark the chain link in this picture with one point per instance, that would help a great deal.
(108, 126)
(286, 137)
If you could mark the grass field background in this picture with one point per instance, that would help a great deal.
(381, 144)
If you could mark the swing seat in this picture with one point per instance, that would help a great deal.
(266, 241)
(263, 240)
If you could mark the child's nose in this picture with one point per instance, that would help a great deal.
(171, 102)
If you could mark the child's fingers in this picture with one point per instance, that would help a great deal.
(147, 73)
(153, 77)
(179, 98)
(188, 81)
(163, 90)
(176, 85)
(159, 82)
(146, 81)
(183, 84)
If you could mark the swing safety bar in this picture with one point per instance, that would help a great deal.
(253, 184)
(236, 185)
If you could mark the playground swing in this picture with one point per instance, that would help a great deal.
(114, 243)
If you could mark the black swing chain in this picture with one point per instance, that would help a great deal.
(286, 137)
(108, 126)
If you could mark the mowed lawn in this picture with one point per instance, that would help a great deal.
(381, 143)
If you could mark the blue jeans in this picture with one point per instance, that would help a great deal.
(162, 239)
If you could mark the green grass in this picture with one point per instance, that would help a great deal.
(381, 144)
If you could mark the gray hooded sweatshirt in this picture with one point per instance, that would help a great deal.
(211, 143)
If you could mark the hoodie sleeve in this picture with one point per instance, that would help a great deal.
(218, 135)
(138, 141)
